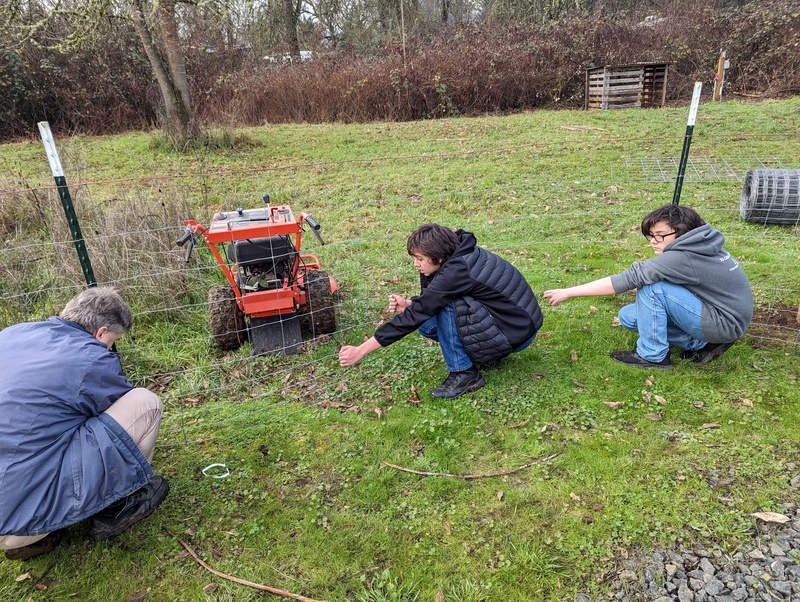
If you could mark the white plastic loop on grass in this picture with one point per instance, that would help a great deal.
(208, 468)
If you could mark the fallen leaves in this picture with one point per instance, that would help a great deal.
(771, 517)
(614, 405)
(338, 405)
(413, 397)
(380, 411)
(550, 426)
(651, 416)
(574, 355)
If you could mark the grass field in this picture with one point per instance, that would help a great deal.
(630, 460)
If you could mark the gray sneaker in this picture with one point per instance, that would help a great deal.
(129, 510)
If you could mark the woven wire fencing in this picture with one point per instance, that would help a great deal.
(560, 224)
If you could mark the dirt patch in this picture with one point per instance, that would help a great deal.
(779, 324)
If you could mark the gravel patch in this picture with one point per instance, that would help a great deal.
(766, 569)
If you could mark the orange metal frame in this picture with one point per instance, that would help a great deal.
(260, 223)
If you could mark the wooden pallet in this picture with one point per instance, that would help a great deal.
(626, 86)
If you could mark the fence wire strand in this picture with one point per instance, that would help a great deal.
(549, 222)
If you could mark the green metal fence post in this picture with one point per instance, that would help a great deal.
(687, 141)
(66, 202)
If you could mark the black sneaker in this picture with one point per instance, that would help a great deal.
(633, 359)
(37, 548)
(130, 510)
(458, 383)
(710, 351)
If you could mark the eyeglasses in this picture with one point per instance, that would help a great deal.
(659, 237)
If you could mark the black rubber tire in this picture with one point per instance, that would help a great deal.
(227, 320)
(319, 318)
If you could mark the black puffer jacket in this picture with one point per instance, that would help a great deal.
(496, 310)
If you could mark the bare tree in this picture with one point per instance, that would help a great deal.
(32, 22)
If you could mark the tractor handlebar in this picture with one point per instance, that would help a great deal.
(314, 224)
(187, 236)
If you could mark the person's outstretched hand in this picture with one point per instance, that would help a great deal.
(557, 295)
(349, 355)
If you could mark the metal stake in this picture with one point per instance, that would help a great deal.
(66, 202)
(687, 141)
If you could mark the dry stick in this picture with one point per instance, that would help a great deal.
(468, 477)
(266, 588)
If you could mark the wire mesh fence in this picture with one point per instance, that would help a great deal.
(560, 224)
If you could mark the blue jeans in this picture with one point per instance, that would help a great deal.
(664, 314)
(442, 329)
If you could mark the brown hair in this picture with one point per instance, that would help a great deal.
(680, 219)
(434, 241)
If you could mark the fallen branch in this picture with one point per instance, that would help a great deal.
(468, 477)
(266, 588)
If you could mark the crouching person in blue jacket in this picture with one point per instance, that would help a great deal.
(475, 304)
(76, 438)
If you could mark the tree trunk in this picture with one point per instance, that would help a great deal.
(159, 69)
(291, 14)
(180, 121)
(177, 67)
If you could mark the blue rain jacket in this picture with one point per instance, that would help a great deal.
(61, 459)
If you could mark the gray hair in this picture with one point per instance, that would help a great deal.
(96, 307)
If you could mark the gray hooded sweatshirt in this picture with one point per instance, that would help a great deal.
(698, 262)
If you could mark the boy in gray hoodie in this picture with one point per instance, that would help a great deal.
(693, 294)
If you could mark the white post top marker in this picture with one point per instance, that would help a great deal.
(50, 149)
(695, 102)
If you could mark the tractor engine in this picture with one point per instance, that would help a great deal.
(263, 263)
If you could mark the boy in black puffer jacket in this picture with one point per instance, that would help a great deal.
(475, 304)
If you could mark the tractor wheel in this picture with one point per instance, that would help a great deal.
(227, 320)
(320, 315)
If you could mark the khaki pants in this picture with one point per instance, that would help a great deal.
(139, 413)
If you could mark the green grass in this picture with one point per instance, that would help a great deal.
(309, 505)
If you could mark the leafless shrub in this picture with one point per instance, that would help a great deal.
(469, 69)
(129, 239)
